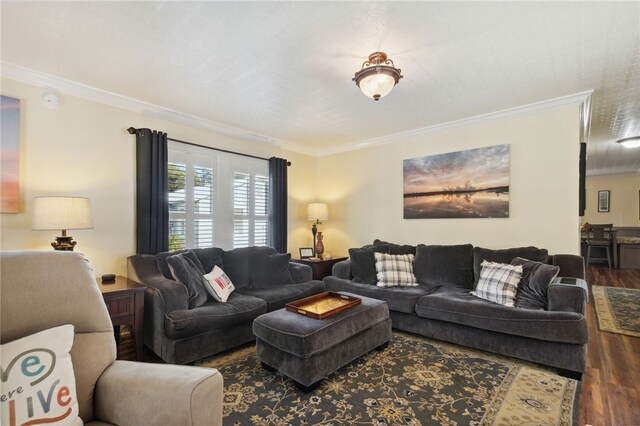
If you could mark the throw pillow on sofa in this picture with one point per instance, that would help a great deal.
(40, 386)
(498, 282)
(219, 285)
(363, 262)
(452, 265)
(395, 270)
(186, 269)
(505, 256)
(536, 277)
(269, 270)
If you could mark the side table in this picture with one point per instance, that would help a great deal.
(321, 267)
(125, 302)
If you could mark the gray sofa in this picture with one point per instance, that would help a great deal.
(180, 335)
(441, 306)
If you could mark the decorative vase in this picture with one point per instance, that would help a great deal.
(319, 246)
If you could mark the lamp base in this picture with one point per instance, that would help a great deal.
(64, 243)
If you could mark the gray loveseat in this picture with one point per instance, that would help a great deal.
(441, 306)
(179, 335)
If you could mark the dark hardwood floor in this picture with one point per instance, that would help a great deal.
(610, 386)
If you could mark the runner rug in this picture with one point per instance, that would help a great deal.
(618, 309)
(414, 381)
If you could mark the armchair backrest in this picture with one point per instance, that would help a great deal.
(45, 289)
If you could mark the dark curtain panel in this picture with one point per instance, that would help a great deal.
(152, 196)
(278, 204)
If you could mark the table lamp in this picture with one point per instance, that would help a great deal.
(53, 213)
(316, 212)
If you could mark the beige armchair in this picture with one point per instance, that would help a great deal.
(41, 290)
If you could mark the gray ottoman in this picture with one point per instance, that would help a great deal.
(307, 350)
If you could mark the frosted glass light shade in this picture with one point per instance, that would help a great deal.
(317, 211)
(376, 86)
(54, 213)
(378, 76)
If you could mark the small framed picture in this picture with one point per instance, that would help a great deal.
(306, 252)
(604, 201)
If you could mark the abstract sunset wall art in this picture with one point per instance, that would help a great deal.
(9, 155)
(463, 184)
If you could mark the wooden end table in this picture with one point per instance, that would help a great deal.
(125, 302)
(321, 267)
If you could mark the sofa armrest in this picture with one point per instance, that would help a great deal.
(570, 265)
(568, 297)
(136, 393)
(342, 269)
(300, 273)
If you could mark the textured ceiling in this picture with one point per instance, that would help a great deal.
(284, 69)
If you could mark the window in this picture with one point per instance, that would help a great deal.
(250, 210)
(216, 199)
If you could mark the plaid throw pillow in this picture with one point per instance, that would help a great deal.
(498, 282)
(395, 270)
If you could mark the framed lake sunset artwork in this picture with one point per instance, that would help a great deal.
(9, 155)
(463, 184)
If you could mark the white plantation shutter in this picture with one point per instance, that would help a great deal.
(261, 212)
(216, 199)
(251, 209)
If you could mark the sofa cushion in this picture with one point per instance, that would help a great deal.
(239, 264)
(186, 269)
(536, 277)
(363, 264)
(213, 315)
(161, 261)
(278, 296)
(458, 306)
(270, 269)
(451, 265)
(397, 248)
(399, 299)
(498, 283)
(505, 256)
(209, 258)
(395, 270)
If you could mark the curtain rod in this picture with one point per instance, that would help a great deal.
(133, 130)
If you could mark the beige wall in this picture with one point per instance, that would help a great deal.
(623, 198)
(83, 149)
(364, 187)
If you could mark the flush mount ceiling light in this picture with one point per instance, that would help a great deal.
(632, 142)
(378, 76)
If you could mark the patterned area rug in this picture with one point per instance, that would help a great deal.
(415, 381)
(618, 309)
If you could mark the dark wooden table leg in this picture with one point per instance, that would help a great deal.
(137, 324)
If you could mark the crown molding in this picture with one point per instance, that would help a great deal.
(581, 98)
(73, 88)
(37, 78)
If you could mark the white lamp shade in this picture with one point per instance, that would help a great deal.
(377, 84)
(317, 211)
(52, 213)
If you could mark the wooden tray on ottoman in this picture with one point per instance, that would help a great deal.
(323, 305)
